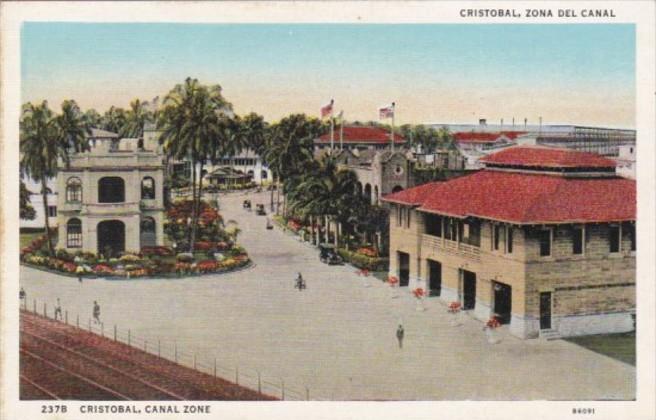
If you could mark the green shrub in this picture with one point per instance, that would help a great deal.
(363, 261)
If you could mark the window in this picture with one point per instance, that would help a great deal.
(147, 188)
(578, 241)
(498, 231)
(630, 228)
(509, 240)
(399, 215)
(471, 233)
(544, 237)
(74, 190)
(614, 238)
(52, 211)
(433, 225)
(451, 229)
(74, 233)
(111, 189)
(408, 212)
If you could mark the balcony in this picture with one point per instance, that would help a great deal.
(110, 209)
(149, 204)
(118, 159)
(437, 244)
(70, 206)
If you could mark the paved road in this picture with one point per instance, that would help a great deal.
(337, 337)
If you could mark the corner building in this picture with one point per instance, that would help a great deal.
(111, 198)
(544, 239)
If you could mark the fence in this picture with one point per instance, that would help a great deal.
(171, 351)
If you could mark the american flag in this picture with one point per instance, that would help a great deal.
(386, 111)
(327, 109)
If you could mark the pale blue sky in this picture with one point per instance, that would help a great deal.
(565, 73)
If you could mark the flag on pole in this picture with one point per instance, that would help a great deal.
(327, 109)
(386, 112)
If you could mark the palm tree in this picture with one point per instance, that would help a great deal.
(255, 132)
(27, 212)
(114, 119)
(135, 119)
(40, 146)
(191, 121)
(289, 147)
(72, 127)
(92, 118)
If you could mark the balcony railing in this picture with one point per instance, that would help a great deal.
(71, 206)
(450, 247)
(110, 208)
(115, 159)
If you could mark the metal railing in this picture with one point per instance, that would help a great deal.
(240, 375)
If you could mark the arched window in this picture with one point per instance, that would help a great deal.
(147, 188)
(74, 233)
(264, 175)
(74, 190)
(111, 189)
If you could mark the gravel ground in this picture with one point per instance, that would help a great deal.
(337, 337)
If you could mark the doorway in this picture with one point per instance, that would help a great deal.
(434, 278)
(468, 290)
(404, 268)
(111, 238)
(545, 310)
(502, 302)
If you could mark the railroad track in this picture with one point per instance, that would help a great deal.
(170, 380)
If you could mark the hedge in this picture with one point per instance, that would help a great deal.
(363, 261)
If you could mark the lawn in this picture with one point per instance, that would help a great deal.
(618, 346)
(26, 238)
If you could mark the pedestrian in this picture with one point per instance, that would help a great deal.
(79, 277)
(96, 312)
(58, 311)
(399, 335)
(300, 283)
(22, 295)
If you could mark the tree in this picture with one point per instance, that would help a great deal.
(40, 146)
(72, 127)
(27, 212)
(427, 138)
(191, 119)
(92, 118)
(114, 119)
(135, 119)
(290, 146)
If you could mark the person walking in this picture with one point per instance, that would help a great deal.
(399, 335)
(22, 295)
(96, 312)
(58, 311)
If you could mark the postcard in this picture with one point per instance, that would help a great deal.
(372, 210)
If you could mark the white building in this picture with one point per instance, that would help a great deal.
(36, 201)
(626, 161)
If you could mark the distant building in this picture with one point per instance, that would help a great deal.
(379, 172)
(246, 162)
(36, 201)
(358, 137)
(626, 161)
(111, 198)
(542, 239)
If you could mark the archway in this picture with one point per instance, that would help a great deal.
(376, 194)
(111, 189)
(147, 232)
(397, 189)
(367, 192)
(111, 237)
(358, 188)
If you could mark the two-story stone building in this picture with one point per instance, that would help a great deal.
(544, 239)
(111, 198)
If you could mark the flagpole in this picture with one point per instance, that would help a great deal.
(341, 131)
(392, 136)
(332, 128)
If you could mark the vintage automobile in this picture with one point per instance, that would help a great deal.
(269, 225)
(259, 210)
(247, 204)
(328, 255)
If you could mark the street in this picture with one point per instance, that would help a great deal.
(337, 337)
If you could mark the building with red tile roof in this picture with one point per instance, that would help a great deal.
(360, 137)
(542, 239)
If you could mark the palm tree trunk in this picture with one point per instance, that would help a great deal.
(278, 197)
(272, 182)
(327, 230)
(312, 229)
(44, 192)
(192, 232)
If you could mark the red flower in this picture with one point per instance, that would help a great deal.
(392, 280)
(364, 272)
(418, 292)
(368, 251)
(454, 307)
(492, 323)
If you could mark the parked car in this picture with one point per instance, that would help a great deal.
(259, 210)
(328, 255)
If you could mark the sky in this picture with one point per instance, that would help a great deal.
(579, 74)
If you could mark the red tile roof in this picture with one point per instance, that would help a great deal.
(484, 137)
(526, 198)
(544, 157)
(363, 134)
(414, 196)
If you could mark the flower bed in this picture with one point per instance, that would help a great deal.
(157, 261)
(363, 261)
